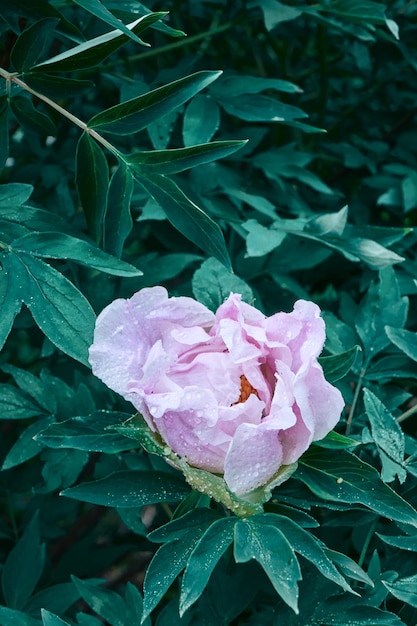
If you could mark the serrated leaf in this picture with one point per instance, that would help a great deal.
(23, 567)
(339, 476)
(186, 216)
(92, 180)
(268, 545)
(126, 489)
(337, 366)
(168, 162)
(118, 220)
(134, 115)
(56, 245)
(203, 559)
(212, 283)
(91, 53)
(31, 43)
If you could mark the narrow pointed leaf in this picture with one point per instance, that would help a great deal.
(118, 220)
(134, 115)
(10, 298)
(127, 489)
(31, 43)
(337, 366)
(91, 53)
(92, 179)
(61, 246)
(168, 162)
(186, 216)
(268, 545)
(97, 8)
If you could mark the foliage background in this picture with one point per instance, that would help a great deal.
(320, 203)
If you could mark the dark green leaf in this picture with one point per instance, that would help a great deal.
(388, 436)
(201, 120)
(87, 434)
(404, 340)
(339, 476)
(49, 619)
(15, 404)
(56, 86)
(106, 603)
(14, 194)
(404, 589)
(91, 53)
(260, 108)
(10, 299)
(335, 441)
(10, 617)
(212, 283)
(118, 220)
(23, 567)
(208, 551)
(25, 447)
(31, 43)
(186, 216)
(97, 8)
(268, 545)
(58, 308)
(92, 180)
(126, 489)
(32, 120)
(61, 246)
(337, 366)
(134, 115)
(168, 162)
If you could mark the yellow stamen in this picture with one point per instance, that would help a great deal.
(246, 390)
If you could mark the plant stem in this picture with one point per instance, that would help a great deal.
(54, 105)
(355, 400)
(407, 414)
(367, 542)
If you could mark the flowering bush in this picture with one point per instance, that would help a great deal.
(235, 393)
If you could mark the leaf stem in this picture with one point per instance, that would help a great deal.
(367, 542)
(54, 105)
(355, 400)
(407, 414)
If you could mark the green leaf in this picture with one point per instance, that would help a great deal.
(339, 476)
(31, 43)
(97, 8)
(404, 589)
(25, 447)
(306, 544)
(168, 162)
(126, 489)
(10, 300)
(405, 340)
(260, 108)
(118, 220)
(15, 404)
(335, 441)
(388, 436)
(91, 53)
(106, 603)
(212, 283)
(268, 545)
(337, 366)
(56, 245)
(134, 115)
(182, 536)
(86, 433)
(49, 619)
(31, 120)
(14, 194)
(208, 551)
(186, 216)
(56, 86)
(10, 617)
(201, 120)
(275, 13)
(92, 180)
(58, 308)
(23, 567)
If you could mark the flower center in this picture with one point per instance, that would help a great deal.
(246, 390)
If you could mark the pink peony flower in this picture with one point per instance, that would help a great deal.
(236, 393)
